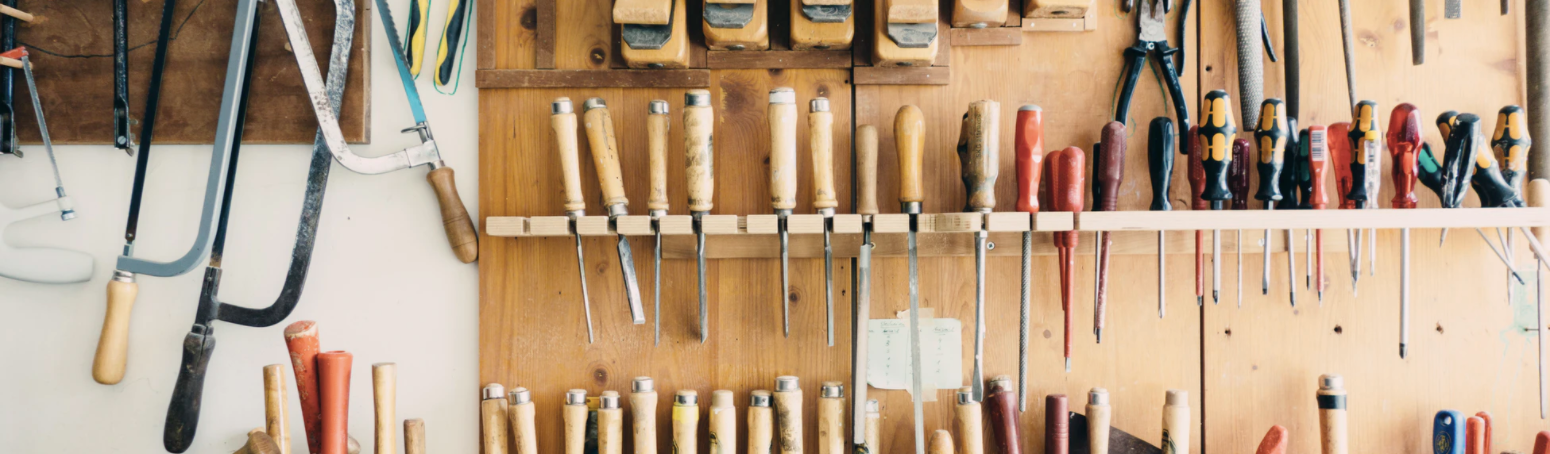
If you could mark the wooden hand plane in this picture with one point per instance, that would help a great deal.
(822, 24)
(906, 33)
(653, 32)
(737, 24)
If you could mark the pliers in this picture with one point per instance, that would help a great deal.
(1153, 39)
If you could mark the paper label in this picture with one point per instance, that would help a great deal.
(941, 353)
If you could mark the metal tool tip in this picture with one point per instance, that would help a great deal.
(1200, 300)
(1098, 332)
(1030, 108)
(1403, 350)
(1215, 297)
(658, 107)
(1068, 365)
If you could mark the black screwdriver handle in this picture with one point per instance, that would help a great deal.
(1216, 136)
(1458, 162)
(1271, 136)
(1365, 139)
(1159, 153)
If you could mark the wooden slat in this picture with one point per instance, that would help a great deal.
(788, 59)
(1423, 218)
(992, 36)
(873, 75)
(961, 244)
(543, 45)
(621, 78)
(1078, 24)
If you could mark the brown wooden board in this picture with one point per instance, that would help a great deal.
(77, 92)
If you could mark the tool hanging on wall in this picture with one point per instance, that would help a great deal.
(1108, 171)
(782, 115)
(820, 136)
(969, 419)
(1272, 136)
(562, 119)
(905, 34)
(831, 420)
(1004, 417)
(736, 24)
(1099, 415)
(761, 422)
(113, 344)
(1418, 31)
(1448, 177)
(699, 156)
(449, 64)
(1152, 39)
(414, 34)
(1216, 137)
(9, 143)
(1318, 148)
(866, 206)
(1197, 188)
(1404, 142)
(979, 142)
(520, 415)
(1365, 151)
(909, 138)
(643, 415)
(1238, 183)
(40, 264)
(605, 159)
(1348, 43)
(1341, 160)
(822, 24)
(123, 139)
(653, 33)
(1510, 143)
(492, 416)
(686, 421)
(658, 126)
(573, 416)
(1028, 140)
(1251, 66)
(1175, 423)
(1159, 153)
(1064, 177)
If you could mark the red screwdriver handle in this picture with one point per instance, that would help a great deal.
(1197, 172)
(1238, 174)
(1340, 156)
(1404, 142)
(1318, 164)
(1110, 167)
(1029, 140)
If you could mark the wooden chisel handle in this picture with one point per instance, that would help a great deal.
(782, 113)
(723, 423)
(562, 120)
(788, 415)
(1404, 142)
(384, 388)
(941, 443)
(520, 414)
(699, 151)
(686, 421)
(1028, 142)
(1332, 415)
(574, 415)
(610, 424)
(761, 423)
(1175, 424)
(1099, 417)
(831, 419)
(112, 356)
(1511, 141)
(658, 128)
(492, 418)
(1004, 419)
(866, 169)
(969, 419)
(820, 140)
(301, 339)
(605, 152)
(874, 428)
(909, 137)
(979, 145)
(1057, 425)
(643, 412)
(276, 407)
(1274, 442)
(414, 436)
(334, 390)
(454, 216)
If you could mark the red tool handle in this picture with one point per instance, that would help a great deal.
(1110, 167)
(334, 381)
(1238, 174)
(1057, 425)
(1486, 416)
(1340, 153)
(301, 339)
(1197, 189)
(1542, 443)
(1474, 436)
(1065, 184)
(1004, 419)
(1404, 142)
(1029, 141)
(1318, 164)
(1274, 442)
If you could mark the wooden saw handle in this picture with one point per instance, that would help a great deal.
(605, 151)
(384, 386)
(978, 146)
(563, 122)
(113, 344)
(782, 114)
(866, 169)
(699, 154)
(909, 138)
(454, 216)
(820, 139)
(276, 408)
(658, 128)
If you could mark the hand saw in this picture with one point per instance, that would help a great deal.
(112, 346)
(41, 265)
(454, 217)
(199, 344)
(122, 138)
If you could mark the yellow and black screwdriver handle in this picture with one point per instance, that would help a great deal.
(1511, 142)
(1216, 135)
(1364, 135)
(1272, 135)
(448, 65)
(414, 35)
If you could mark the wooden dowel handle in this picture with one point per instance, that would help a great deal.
(761, 423)
(414, 436)
(909, 137)
(384, 387)
(605, 151)
(454, 216)
(16, 13)
(610, 424)
(782, 115)
(113, 344)
(520, 413)
(979, 145)
(1332, 415)
(1099, 417)
(723, 423)
(276, 408)
(658, 128)
(699, 151)
(334, 386)
(941, 443)
(1004, 419)
(575, 418)
(643, 412)
(1057, 424)
(820, 137)
(301, 340)
(788, 415)
(866, 169)
(686, 422)
(970, 422)
(874, 428)
(831, 418)
(563, 121)
(492, 418)
(1175, 424)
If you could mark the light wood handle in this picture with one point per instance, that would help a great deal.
(941, 443)
(643, 409)
(564, 125)
(788, 421)
(454, 217)
(113, 345)
(384, 388)
(11, 63)
(1332, 418)
(866, 169)
(831, 425)
(783, 149)
(970, 422)
(1099, 418)
(1175, 424)
(909, 137)
(259, 442)
(699, 152)
(761, 428)
(723, 423)
(492, 417)
(575, 428)
(874, 431)
(605, 154)
(414, 436)
(820, 137)
(686, 424)
(1538, 195)
(658, 128)
(523, 433)
(16, 13)
(276, 409)
(980, 143)
(610, 428)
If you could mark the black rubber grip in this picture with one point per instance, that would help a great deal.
(1331, 402)
(1159, 153)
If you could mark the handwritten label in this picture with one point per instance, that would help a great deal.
(941, 354)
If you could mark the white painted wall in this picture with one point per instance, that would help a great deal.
(383, 284)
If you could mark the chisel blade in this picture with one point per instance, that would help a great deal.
(631, 283)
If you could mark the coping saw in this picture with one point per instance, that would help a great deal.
(41, 265)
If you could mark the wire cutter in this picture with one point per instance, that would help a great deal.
(1153, 39)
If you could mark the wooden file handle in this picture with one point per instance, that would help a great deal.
(575, 417)
(1332, 415)
(1004, 419)
(301, 340)
(605, 151)
(643, 412)
(782, 114)
(658, 128)
(788, 415)
(334, 387)
(723, 423)
(1029, 143)
(1099, 417)
(941, 443)
(1175, 424)
(492, 419)
(113, 344)
(1110, 168)
(909, 138)
(610, 425)
(969, 419)
(1057, 425)
(414, 436)
(384, 386)
(699, 154)
(979, 143)
(686, 422)
(874, 428)
(1404, 142)
(276, 407)
(831, 419)
(563, 121)
(1275, 440)
(454, 216)
(866, 169)
(761, 423)
(820, 137)
(521, 414)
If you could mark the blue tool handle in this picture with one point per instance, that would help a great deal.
(1448, 432)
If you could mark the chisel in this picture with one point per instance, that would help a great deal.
(782, 113)
(1064, 176)
(699, 154)
(1331, 399)
(686, 421)
(610, 424)
(492, 418)
(1216, 136)
(978, 146)
(1272, 135)
(301, 341)
(866, 206)
(1099, 416)
(1004, 417)
(1175, 423)
(820, 135)
(1108, 171)
(562, 119)
(761, 423)
(605, 157)
(277, 413)
(723, 422)
(658, 126)
(969, 419)
(1160, 164)
(520, 414)
(1404, 142)
(574, 417)
(831, 419)
(1238, 183)
(788, 415)
(1029, 144)
(909, 137)
(643, 409)
(1197, 187)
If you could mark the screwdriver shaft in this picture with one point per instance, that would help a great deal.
(828, 278)
(1162, 306)
(1404, 291)
(699, 252)
(656, 288)
(977, 377)
(1291, 268)
(785, 279)
(1216, 266)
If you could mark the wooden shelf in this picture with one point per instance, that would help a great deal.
(767, 224)
(1425, 218)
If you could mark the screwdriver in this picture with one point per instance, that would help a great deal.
(1064, 174)
(1365, 146)
(1318, 165)
(782, 114)
(1461, 163)
(909, 137)
(978, 144)
(1404, 141)
(657, 127)
(1511, 143)
(820, 135)
(1029, 143)
(1298, 171)
(1445, 127)
(1339, 139)
(562, 118)
(605, 157)
(1238, 183)
(699, 159)
(1160, 164)
(1108, 170)
(1197, 187)
(1272, 135)
(1216, 135)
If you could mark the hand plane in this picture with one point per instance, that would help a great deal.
(822, 24)
(906, 33)
(737, 24)
(1058, 9)
(653, 33)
